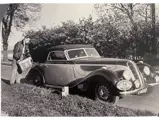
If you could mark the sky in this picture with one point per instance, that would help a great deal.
(52, 15)
(63, 12)
(3, 8)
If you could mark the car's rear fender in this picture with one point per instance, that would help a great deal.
(31, 72)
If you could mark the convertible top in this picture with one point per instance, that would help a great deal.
(69, 46)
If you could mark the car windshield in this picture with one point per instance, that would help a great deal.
(83, 52)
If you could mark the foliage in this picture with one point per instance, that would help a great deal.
(25, 14)
(121, 31)
(17, 15)
(28, 100)
(134, 20)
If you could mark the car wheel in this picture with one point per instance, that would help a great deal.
(37, 79)
(104, 93)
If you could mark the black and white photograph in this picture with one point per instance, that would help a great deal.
(79, 59)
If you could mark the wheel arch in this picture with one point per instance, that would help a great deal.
(39, 70)
(106, 75)
(96, 76)
(102, 79)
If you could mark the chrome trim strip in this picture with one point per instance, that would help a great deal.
(53, 86)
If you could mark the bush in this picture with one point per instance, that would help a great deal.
(107, 38)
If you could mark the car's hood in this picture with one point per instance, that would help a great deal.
(95, 60)
(110, 63)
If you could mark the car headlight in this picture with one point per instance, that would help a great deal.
(124, 85)
(127, 75)
(137, 83)
(146, 70)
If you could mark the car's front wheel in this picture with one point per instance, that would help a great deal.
(105, 93)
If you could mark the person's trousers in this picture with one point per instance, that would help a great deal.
(15, 75)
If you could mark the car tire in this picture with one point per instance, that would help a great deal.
(104, 93)
(37, 79)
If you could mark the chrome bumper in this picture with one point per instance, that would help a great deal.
(136, 91)
(154, 84)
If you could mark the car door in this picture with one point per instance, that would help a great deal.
(57, 70)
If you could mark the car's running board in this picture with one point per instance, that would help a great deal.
(53, 86)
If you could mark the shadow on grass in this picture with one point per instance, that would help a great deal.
(23, 80)
(6, 81)
(75, 91)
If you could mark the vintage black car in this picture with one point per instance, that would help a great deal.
(81, 66)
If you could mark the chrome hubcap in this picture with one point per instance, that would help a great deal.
(37, 80)
(103, 92)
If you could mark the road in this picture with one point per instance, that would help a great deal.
(143, 102)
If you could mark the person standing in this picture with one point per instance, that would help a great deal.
(20, 52)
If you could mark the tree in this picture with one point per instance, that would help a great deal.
(154, 41)
(17, 15)
(132, 19)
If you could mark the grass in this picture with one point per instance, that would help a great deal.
(28, 100)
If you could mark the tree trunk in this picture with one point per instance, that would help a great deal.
(5, 44)
(154, 42)
(5, 52)
(6, 29)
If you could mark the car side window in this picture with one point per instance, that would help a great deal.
(76, 53)
(56, 55)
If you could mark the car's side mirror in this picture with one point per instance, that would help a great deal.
(146, 70)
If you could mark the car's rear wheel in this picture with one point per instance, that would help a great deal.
(37, 78)
(105, 93)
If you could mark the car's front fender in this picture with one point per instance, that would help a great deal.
(110, 76)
